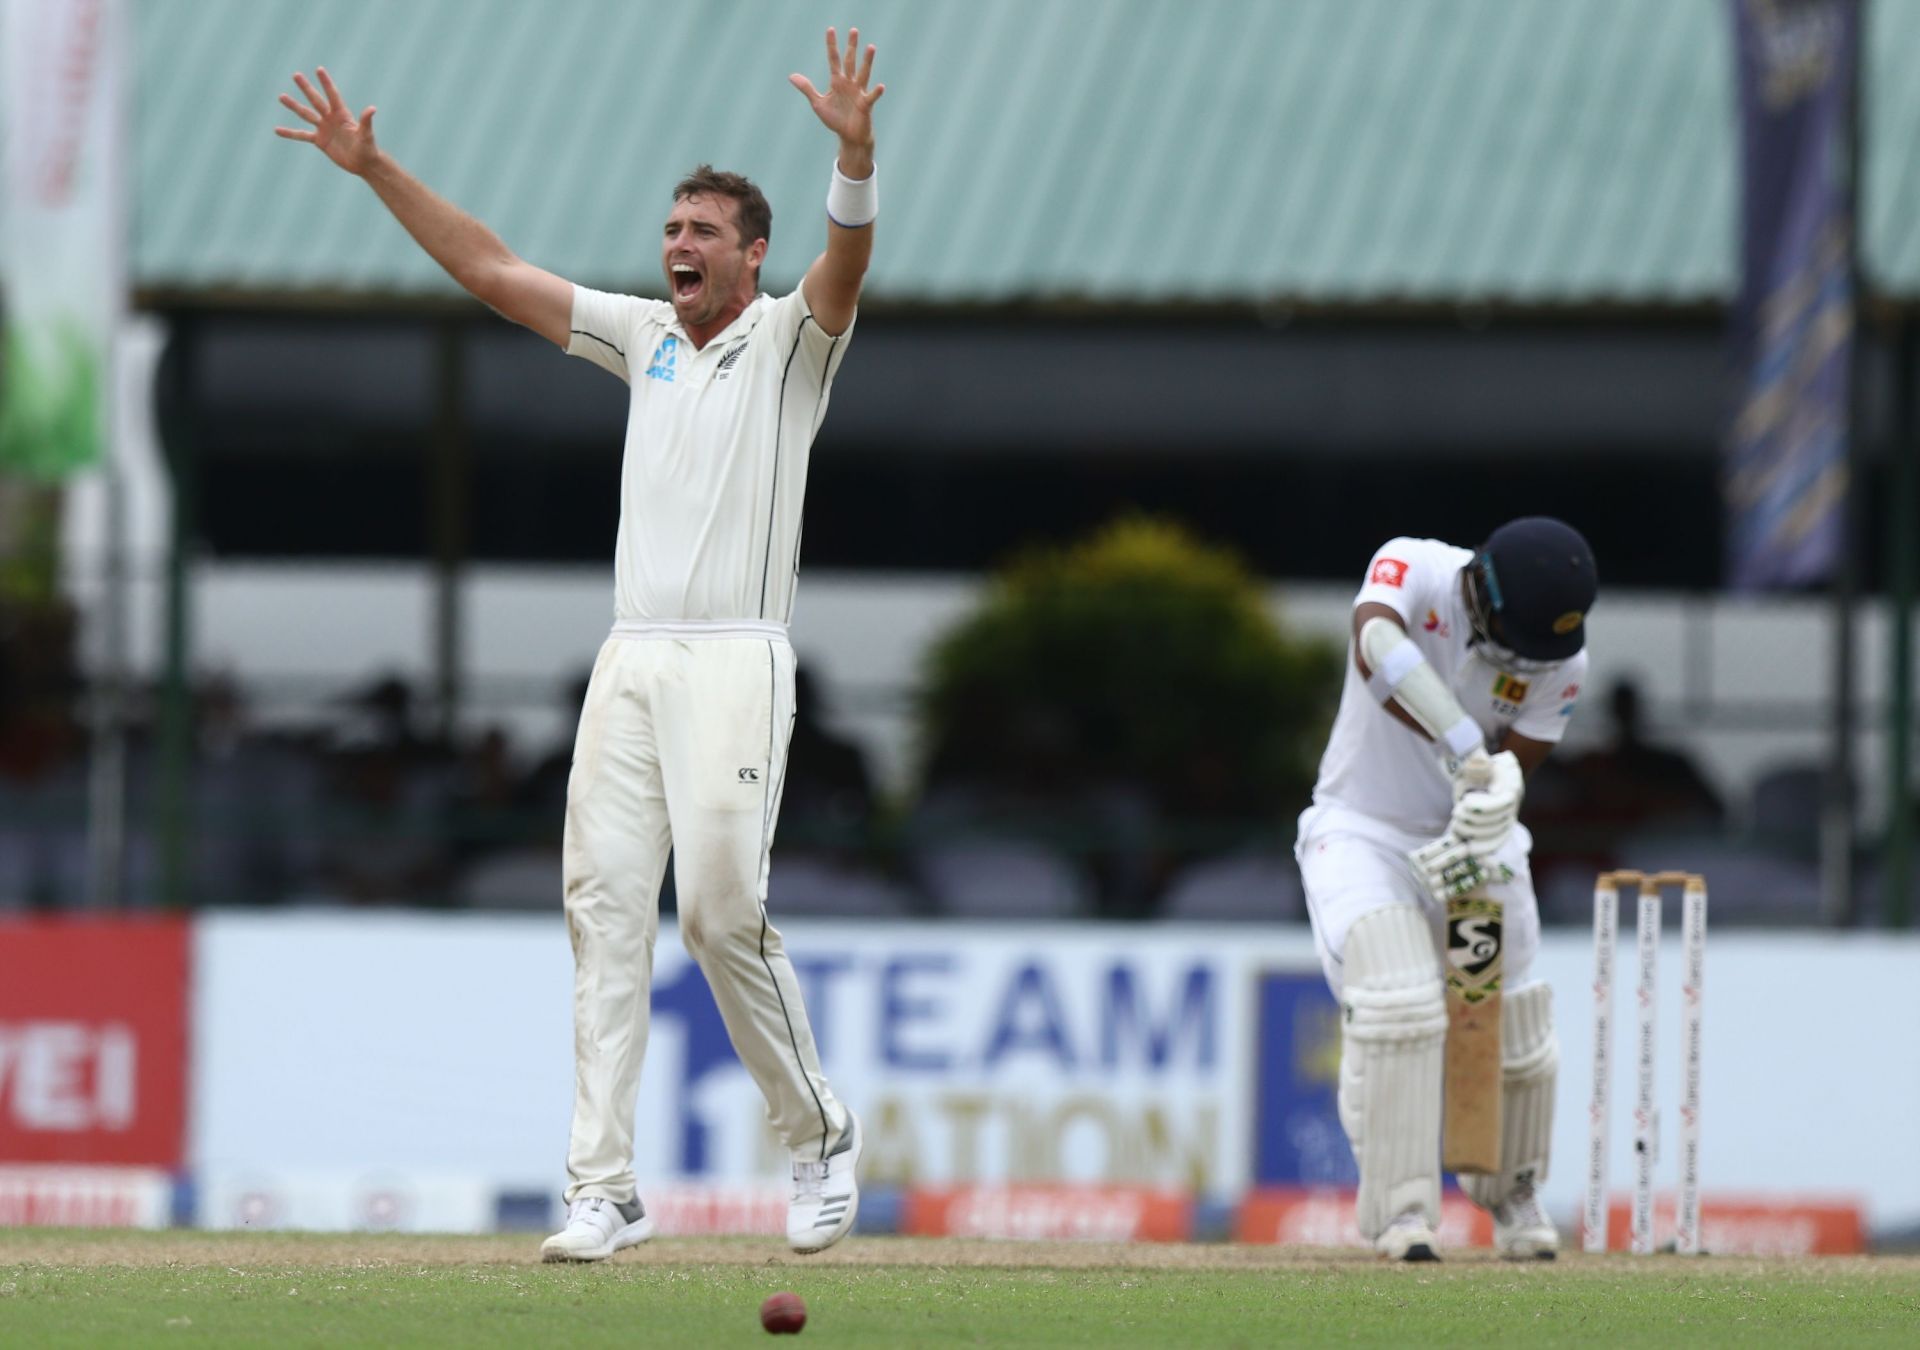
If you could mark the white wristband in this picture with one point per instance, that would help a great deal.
(853, 202)
(1464, 736)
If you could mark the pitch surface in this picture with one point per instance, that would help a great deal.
(232, 1289)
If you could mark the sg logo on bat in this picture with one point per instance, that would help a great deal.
(1473, 947)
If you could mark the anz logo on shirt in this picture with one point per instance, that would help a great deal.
(661, 367)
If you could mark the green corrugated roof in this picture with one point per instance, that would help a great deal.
(1891, 213)
(1114, 150)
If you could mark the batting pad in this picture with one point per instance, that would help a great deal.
(1529, 1063)
(1392, 1042)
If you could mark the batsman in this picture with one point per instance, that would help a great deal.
(1465, 668)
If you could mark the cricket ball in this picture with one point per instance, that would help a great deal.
(783, 1313)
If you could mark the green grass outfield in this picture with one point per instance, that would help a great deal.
(190, 1289)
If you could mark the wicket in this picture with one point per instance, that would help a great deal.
(1646, 1122)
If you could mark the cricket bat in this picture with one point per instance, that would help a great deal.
(1470, 1140)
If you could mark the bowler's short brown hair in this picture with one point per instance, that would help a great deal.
(751, 212)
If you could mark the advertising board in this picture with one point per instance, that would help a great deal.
(93, 1041)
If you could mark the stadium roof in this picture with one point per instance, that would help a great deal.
(1111, 151)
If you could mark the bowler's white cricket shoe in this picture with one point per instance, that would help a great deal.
(596, 1229)
(1521, 1229)
(1409, 1238)
(826, 1194)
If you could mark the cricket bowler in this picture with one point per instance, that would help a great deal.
(683, 737)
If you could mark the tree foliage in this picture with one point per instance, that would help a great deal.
(1140, 656)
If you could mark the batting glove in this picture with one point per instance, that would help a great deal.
(1450, 868)
(1484, 814)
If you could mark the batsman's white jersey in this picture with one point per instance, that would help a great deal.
(1382, 792)
(716, 459)
(1374, 763)
(683, 738)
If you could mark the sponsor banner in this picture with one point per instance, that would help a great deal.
(981, 1056)
(343, 1202)
(1073, 1213)
(1295, 1216)
(85, 1197)
(686, 1210)
(1298, 1140)
(683, 1209)
(93, 1041)
(973, 1054)
(1752, 1225)
(1791, 337)
(62, 227)
(1179, 1057)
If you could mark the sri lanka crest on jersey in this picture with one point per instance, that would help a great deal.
(1509, 692)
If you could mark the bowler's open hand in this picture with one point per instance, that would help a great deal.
(346, 140)
(846, 106)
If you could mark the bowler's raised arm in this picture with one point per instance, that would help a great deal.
(472, 254)
(845, 108)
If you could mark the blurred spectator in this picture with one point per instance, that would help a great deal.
(486, 816)
(1635, 782)
(508, 855)
(386, 813)
(827, 854)
(43, 789)
(1583, 808)
(981, 825)
(542, 793)
(1785, 805)
(252, 805)
(383, 714)
(519, 867)
(827, 804)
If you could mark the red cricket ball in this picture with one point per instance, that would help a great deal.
(783, 1313)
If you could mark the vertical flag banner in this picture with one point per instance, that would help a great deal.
(62, 237)
(1793, 322)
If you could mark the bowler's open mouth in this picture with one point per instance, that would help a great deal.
(687, 281)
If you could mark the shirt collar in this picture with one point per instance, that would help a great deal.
(724, 335)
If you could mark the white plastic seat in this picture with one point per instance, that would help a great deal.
(1259, 886)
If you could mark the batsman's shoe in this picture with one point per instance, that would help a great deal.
(1409, 1238)
(826, 1194)
(1521, 1229)
(596, 1229)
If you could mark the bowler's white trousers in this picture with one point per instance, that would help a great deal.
(683, 745)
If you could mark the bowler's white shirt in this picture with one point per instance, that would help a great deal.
(1375, 763)
(715, 467)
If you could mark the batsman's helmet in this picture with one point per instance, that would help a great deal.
(1529, 588)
